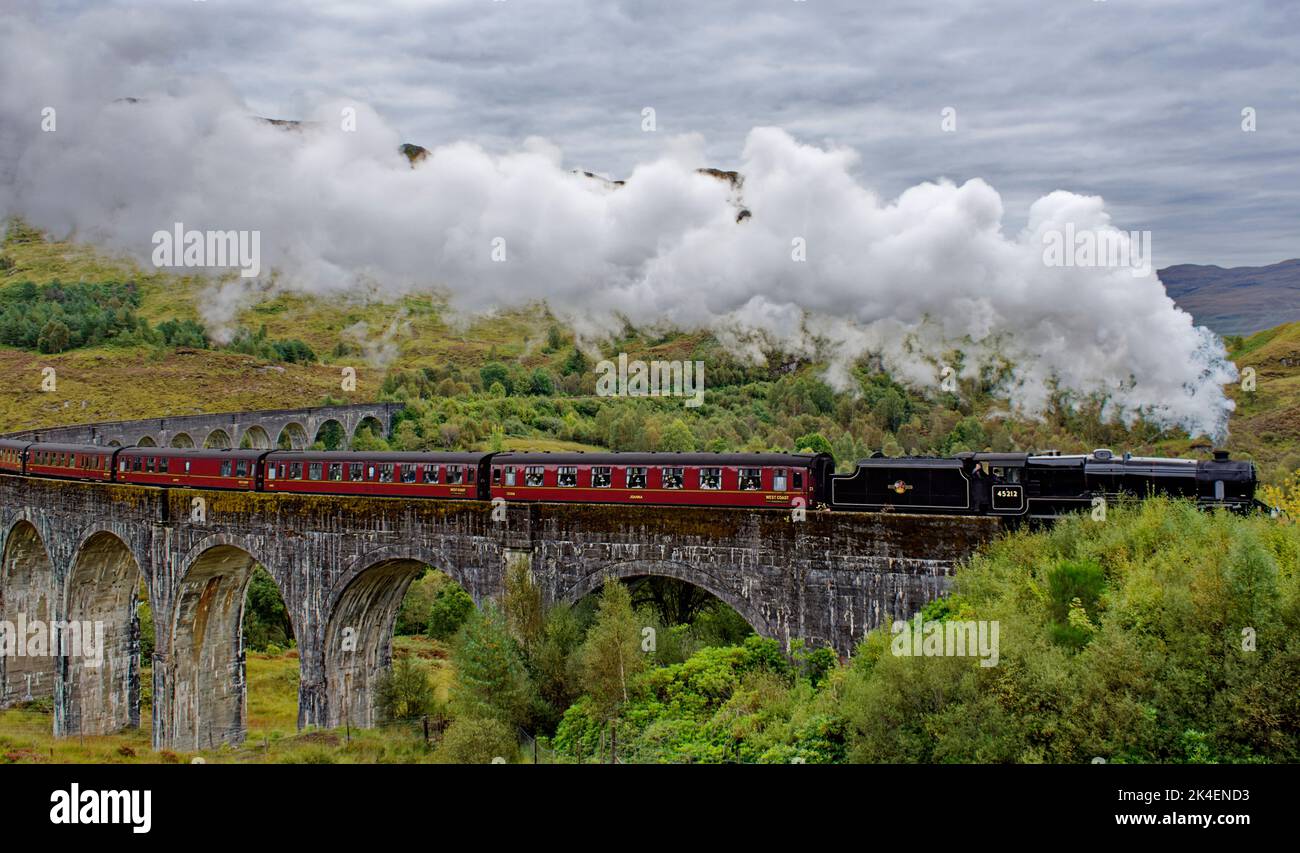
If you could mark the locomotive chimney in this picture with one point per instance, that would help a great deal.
(1220, 456)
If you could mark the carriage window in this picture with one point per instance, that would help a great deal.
(568, 476)
(778, 479)
(336, 471)
(386, 473)
(751, 479)
(225, 468)
(430, 473)
(797, 477)
(370, 472)
(534, 475)
(710, 478)
(469, 474)
(121, 465)
(241, 468)
(601, 477)
(270, 470)
(510, 475)
(455, 474)
(148, 464)
(137, 463)
(408, 473)
(636, 478)
(314, 470)
(295, 470)
(673, 478)
(354, 470)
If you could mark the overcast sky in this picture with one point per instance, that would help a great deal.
(1136, 100)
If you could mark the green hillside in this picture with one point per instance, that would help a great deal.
(129, 343)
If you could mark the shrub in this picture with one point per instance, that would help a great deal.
(478, 740)
(404, 692)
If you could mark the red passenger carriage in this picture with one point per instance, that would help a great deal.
(416, 475)
(186, 468)
(695, 479)
(70, 461)
(11, 455)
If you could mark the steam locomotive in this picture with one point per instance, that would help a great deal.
(1042, 485)
(1011, 485)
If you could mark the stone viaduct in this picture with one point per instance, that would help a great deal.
(75, 552)
(293, 429)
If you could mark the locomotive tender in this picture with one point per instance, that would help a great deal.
(1009, 485)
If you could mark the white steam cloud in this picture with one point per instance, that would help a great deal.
(343, 214)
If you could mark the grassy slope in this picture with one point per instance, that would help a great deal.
(1266, 423)
(111, 383)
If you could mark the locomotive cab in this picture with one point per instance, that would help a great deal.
(997, 482)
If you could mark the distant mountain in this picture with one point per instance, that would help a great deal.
(1238, 300)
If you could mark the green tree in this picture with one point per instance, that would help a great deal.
(495, 371)
(556, 661)
(813, 442)
(55, 337)
(490, 677)
(522, 601)
(554, 338)
(542, 383)
(576, 363)
(612, 655)
(266, 621)
(890, 410)
(677, 437)
(450, 609)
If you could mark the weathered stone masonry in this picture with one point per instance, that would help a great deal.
(78, 551)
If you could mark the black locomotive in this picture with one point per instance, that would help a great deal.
(1043, 485)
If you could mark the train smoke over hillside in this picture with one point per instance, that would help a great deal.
(822, 267)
